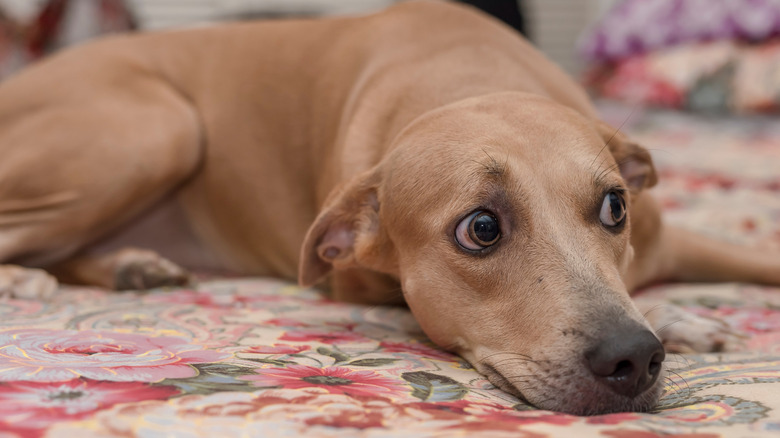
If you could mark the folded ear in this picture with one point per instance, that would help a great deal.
(635, 163)
(347, 233)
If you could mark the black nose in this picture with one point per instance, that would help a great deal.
(629, 361)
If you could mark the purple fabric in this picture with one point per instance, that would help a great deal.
(637, 26)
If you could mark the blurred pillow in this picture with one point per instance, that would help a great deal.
(633, 27)
(709, 77)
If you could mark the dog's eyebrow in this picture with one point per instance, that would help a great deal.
(492, 167)
(600, 178)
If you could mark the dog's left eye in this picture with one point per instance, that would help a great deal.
(478, 230)
(613, 209)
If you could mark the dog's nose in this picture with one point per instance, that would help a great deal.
(629, 362)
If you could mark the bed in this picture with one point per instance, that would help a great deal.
(261, 357)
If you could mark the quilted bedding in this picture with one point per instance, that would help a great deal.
(259, 357)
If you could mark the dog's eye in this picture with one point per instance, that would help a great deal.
(613, 209)
(478, 230)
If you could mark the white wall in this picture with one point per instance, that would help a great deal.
(555, 26)
(21, 9)
(154, 14)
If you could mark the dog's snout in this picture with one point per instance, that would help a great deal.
(629, 362)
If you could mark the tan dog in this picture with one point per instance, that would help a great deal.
(427, 146)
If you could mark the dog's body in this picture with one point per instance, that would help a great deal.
(374, 144)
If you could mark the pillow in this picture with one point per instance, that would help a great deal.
(710, 77)
(633, 27)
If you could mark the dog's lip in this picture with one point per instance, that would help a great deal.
(498, 380)
(623, 404)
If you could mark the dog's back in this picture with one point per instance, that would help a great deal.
(249, 125)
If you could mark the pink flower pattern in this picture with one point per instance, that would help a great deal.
(29, 407)
(418, 349)
(276, 349)
(61, 355)
(326, 337)
(336, 380)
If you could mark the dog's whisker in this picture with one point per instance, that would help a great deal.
(669, 382)
(520, 358)
(517, 362)
(617, 165)
(606, 145)
(611, 137)
(600, 175)
(679, 376)
(680, 356)
(517, 357)
(493, 167)
(513, 353)
(666, 326)
(654, 308)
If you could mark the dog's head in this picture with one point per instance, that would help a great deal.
(504, 218)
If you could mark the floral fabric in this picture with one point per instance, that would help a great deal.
(260, 357)
(635, 27)
(714, 77)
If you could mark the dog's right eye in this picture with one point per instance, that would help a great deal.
(478, 230)
(613, 209)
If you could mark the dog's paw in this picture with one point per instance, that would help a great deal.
(24, 283)
(141, 270)
(686, 332)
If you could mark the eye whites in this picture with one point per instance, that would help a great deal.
(478, 230)
(613, 209)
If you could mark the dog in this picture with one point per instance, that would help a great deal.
(426, 149)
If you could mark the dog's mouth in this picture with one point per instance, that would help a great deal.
(568, 391)
(499, 381)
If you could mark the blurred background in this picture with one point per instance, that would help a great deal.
(554, 24)
(709, 56)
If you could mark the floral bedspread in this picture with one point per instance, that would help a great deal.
(259, 357)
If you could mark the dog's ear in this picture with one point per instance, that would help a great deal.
(347, 233)
(635, 163)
